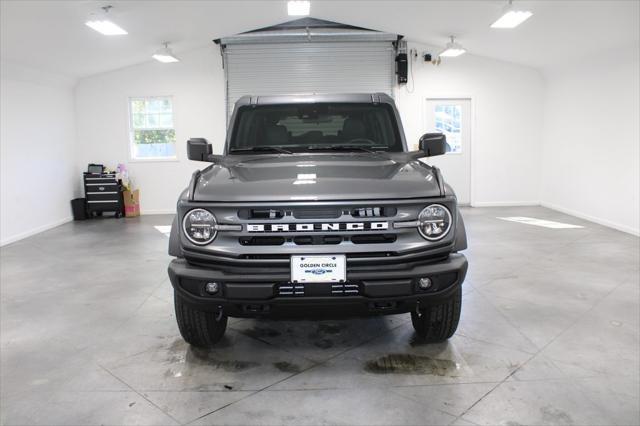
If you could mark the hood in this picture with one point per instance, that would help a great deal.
(311, 177)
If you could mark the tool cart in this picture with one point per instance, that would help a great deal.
(103, 192)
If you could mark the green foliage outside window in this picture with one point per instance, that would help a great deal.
(152, 121)
(154, 136)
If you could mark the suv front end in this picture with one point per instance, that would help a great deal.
(317, 234)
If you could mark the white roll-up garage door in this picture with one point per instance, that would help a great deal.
(308, 67)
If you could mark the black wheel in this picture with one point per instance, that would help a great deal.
(199, 328)
(436, 323)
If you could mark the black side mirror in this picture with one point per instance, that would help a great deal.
(434, 144)
(198, 149)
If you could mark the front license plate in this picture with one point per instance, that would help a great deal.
(319, 269)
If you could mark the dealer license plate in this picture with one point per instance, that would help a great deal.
(319, 269)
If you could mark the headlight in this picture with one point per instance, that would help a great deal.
(199, 226)
(434, 222)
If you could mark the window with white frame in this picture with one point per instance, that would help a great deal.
(152, 136)
(448, 120)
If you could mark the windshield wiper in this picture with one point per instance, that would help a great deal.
(345, 148)
(261, 149)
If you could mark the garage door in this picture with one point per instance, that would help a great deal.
(346, 64)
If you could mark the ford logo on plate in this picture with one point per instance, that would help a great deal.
(318, 271)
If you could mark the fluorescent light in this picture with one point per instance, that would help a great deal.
(452, 52)
(452, 49)
(298, 8)
(511, 17)
(100, 23)
(165, 55)
(105, 27)
(166, 59)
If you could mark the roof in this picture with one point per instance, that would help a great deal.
(307, 30)
(315, 98)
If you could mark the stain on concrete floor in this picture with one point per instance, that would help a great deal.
(261, 332)
(287, 367)
(411, 364)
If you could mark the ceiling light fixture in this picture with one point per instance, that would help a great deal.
(165, 55)
(298, 8)
(511, 17)
(100, 23)
(452, 49)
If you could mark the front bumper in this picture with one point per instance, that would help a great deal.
(390, 292)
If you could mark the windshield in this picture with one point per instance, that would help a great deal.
(315, 127)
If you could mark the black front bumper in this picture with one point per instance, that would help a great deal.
(391, 292)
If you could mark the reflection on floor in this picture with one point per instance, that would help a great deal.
(549, 335)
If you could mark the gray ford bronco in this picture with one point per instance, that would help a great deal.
(317, 209)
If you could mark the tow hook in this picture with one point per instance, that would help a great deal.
(220, 313)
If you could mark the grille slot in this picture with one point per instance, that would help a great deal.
(305, 240)
(317, 213)
(262, 241)
(261, 213)
(373, 239)
(332, 239)
(345, 289)
(374, 212)
(291, 290)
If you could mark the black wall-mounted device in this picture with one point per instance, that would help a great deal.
(401, 68)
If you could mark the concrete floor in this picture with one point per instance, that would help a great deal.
(549, 335)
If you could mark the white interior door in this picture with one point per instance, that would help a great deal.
(453, 118)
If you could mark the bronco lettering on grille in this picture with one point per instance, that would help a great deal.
(317, 227)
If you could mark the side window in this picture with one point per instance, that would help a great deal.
(152, 135)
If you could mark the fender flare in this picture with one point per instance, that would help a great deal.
(175, 249)
(461, 234)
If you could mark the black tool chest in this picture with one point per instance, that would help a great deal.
(103, 193)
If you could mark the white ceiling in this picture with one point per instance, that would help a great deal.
(51, 35)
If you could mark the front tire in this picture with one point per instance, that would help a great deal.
(199, 328)
(436, 323)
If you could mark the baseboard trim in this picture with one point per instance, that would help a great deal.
(603, 222)
(35, 231)
(505, 203)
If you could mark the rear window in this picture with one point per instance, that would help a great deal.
(301, 127)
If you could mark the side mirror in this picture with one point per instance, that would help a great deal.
(198, 149)
(434, 144)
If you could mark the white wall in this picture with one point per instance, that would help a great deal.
(197, 86)
(507, 113)
(37, 141)
(591, 150)
(507, 101)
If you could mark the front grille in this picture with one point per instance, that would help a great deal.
(318, 289)
(308, 240)
(291, 290)
(345, 289)
(275, 264)
(269, 233)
